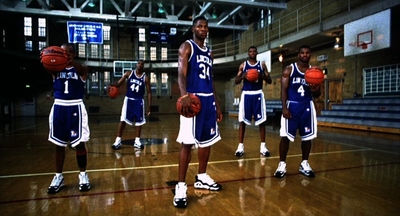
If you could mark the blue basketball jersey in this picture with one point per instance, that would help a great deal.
(298, 90)
(250, 86)
(199, 71)
(68, 85)
(136, 85)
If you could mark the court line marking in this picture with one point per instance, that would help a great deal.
(176, 165)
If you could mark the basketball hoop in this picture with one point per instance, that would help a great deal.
(363, 45)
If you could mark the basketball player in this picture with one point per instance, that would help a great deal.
(133, 107)
(68, 119)
(298, 112)
(195, 76)
(252, 102)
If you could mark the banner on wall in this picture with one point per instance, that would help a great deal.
(85, 32)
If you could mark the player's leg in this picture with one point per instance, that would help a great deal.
(240, 149)
(308, 131)
(140, 119)
(205, 141)
(121, 126)
(260, 119)
(81, 158)
(263, 147)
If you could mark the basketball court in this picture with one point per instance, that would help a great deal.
(357, 173)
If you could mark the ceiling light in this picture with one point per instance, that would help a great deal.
(91, 3)
(214, 14)
(160, 8)
(337, 41)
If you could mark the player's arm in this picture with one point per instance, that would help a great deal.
(184, 53)
(265, 74)
(284, 91)
(149, 96)
(240, 75)
(82, 70)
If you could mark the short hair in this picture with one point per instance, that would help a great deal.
(199, 18)
(252, 47)
(304, 46)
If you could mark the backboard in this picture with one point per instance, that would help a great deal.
(367, 34)
(121, 66)
(265, 57)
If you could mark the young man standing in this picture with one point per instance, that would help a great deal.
(134, 106)
(298, 112)
(195, 77)
(252, 101)
(68, 119)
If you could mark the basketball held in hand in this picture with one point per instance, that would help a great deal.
(314, 76)
(195, 105)
(113, 92)
(54, 58)
(252, 75)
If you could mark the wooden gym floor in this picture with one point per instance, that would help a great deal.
(357, 173)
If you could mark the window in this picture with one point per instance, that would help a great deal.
(81, 50)
(142, 52)
(42, 44)
(106, 81)
(106, 51)
(164, 53)
(42, 27)
(160, 84)
(142, 35)
(106, 33)
(153, 53)
(4, 38)
(28, 26)
(94, 50)
(28, 45)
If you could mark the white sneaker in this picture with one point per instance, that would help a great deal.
(138, 144)
(180, 198)
(56, 184)
(206, 182)
(305, 169)
(239, 151)
(281, 171)
(264, 151)
(117, 144)
(84, 184)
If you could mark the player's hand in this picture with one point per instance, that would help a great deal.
(186, 103)
(286, 113)
(219, 115)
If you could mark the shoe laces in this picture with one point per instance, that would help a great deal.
(83, 179)
(56, 181)
(306, 166)
(281, 167)
(180, 191)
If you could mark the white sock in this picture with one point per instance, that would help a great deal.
(118, 139)
(181, 183)
(201, 175)
(262, 144)
(137, 139)
(82, 173)
(58, 174)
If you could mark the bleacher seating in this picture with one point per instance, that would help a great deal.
(372, 114)
(273, 108)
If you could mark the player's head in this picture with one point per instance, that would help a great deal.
(69, 49)
(140, 64)
(200, 27)
(252, 52)
(304, 53)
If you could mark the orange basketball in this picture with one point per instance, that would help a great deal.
(113, 92)
(195, 106)
(252, 75)
(314, 76)
(54, 58)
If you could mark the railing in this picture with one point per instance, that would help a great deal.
(284, 23)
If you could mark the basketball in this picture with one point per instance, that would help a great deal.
(195, 106)
(252, 75)
(54, 58)
(314, 76)
(113, 92)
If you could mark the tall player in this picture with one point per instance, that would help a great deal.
(133, 108)
(195, 76)
(68, 119)
(298, 112)
(252, 101)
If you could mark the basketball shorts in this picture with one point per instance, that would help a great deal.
(133, 111)
(68, 121)
(304, 119)
(201, 130)
(252, 105)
